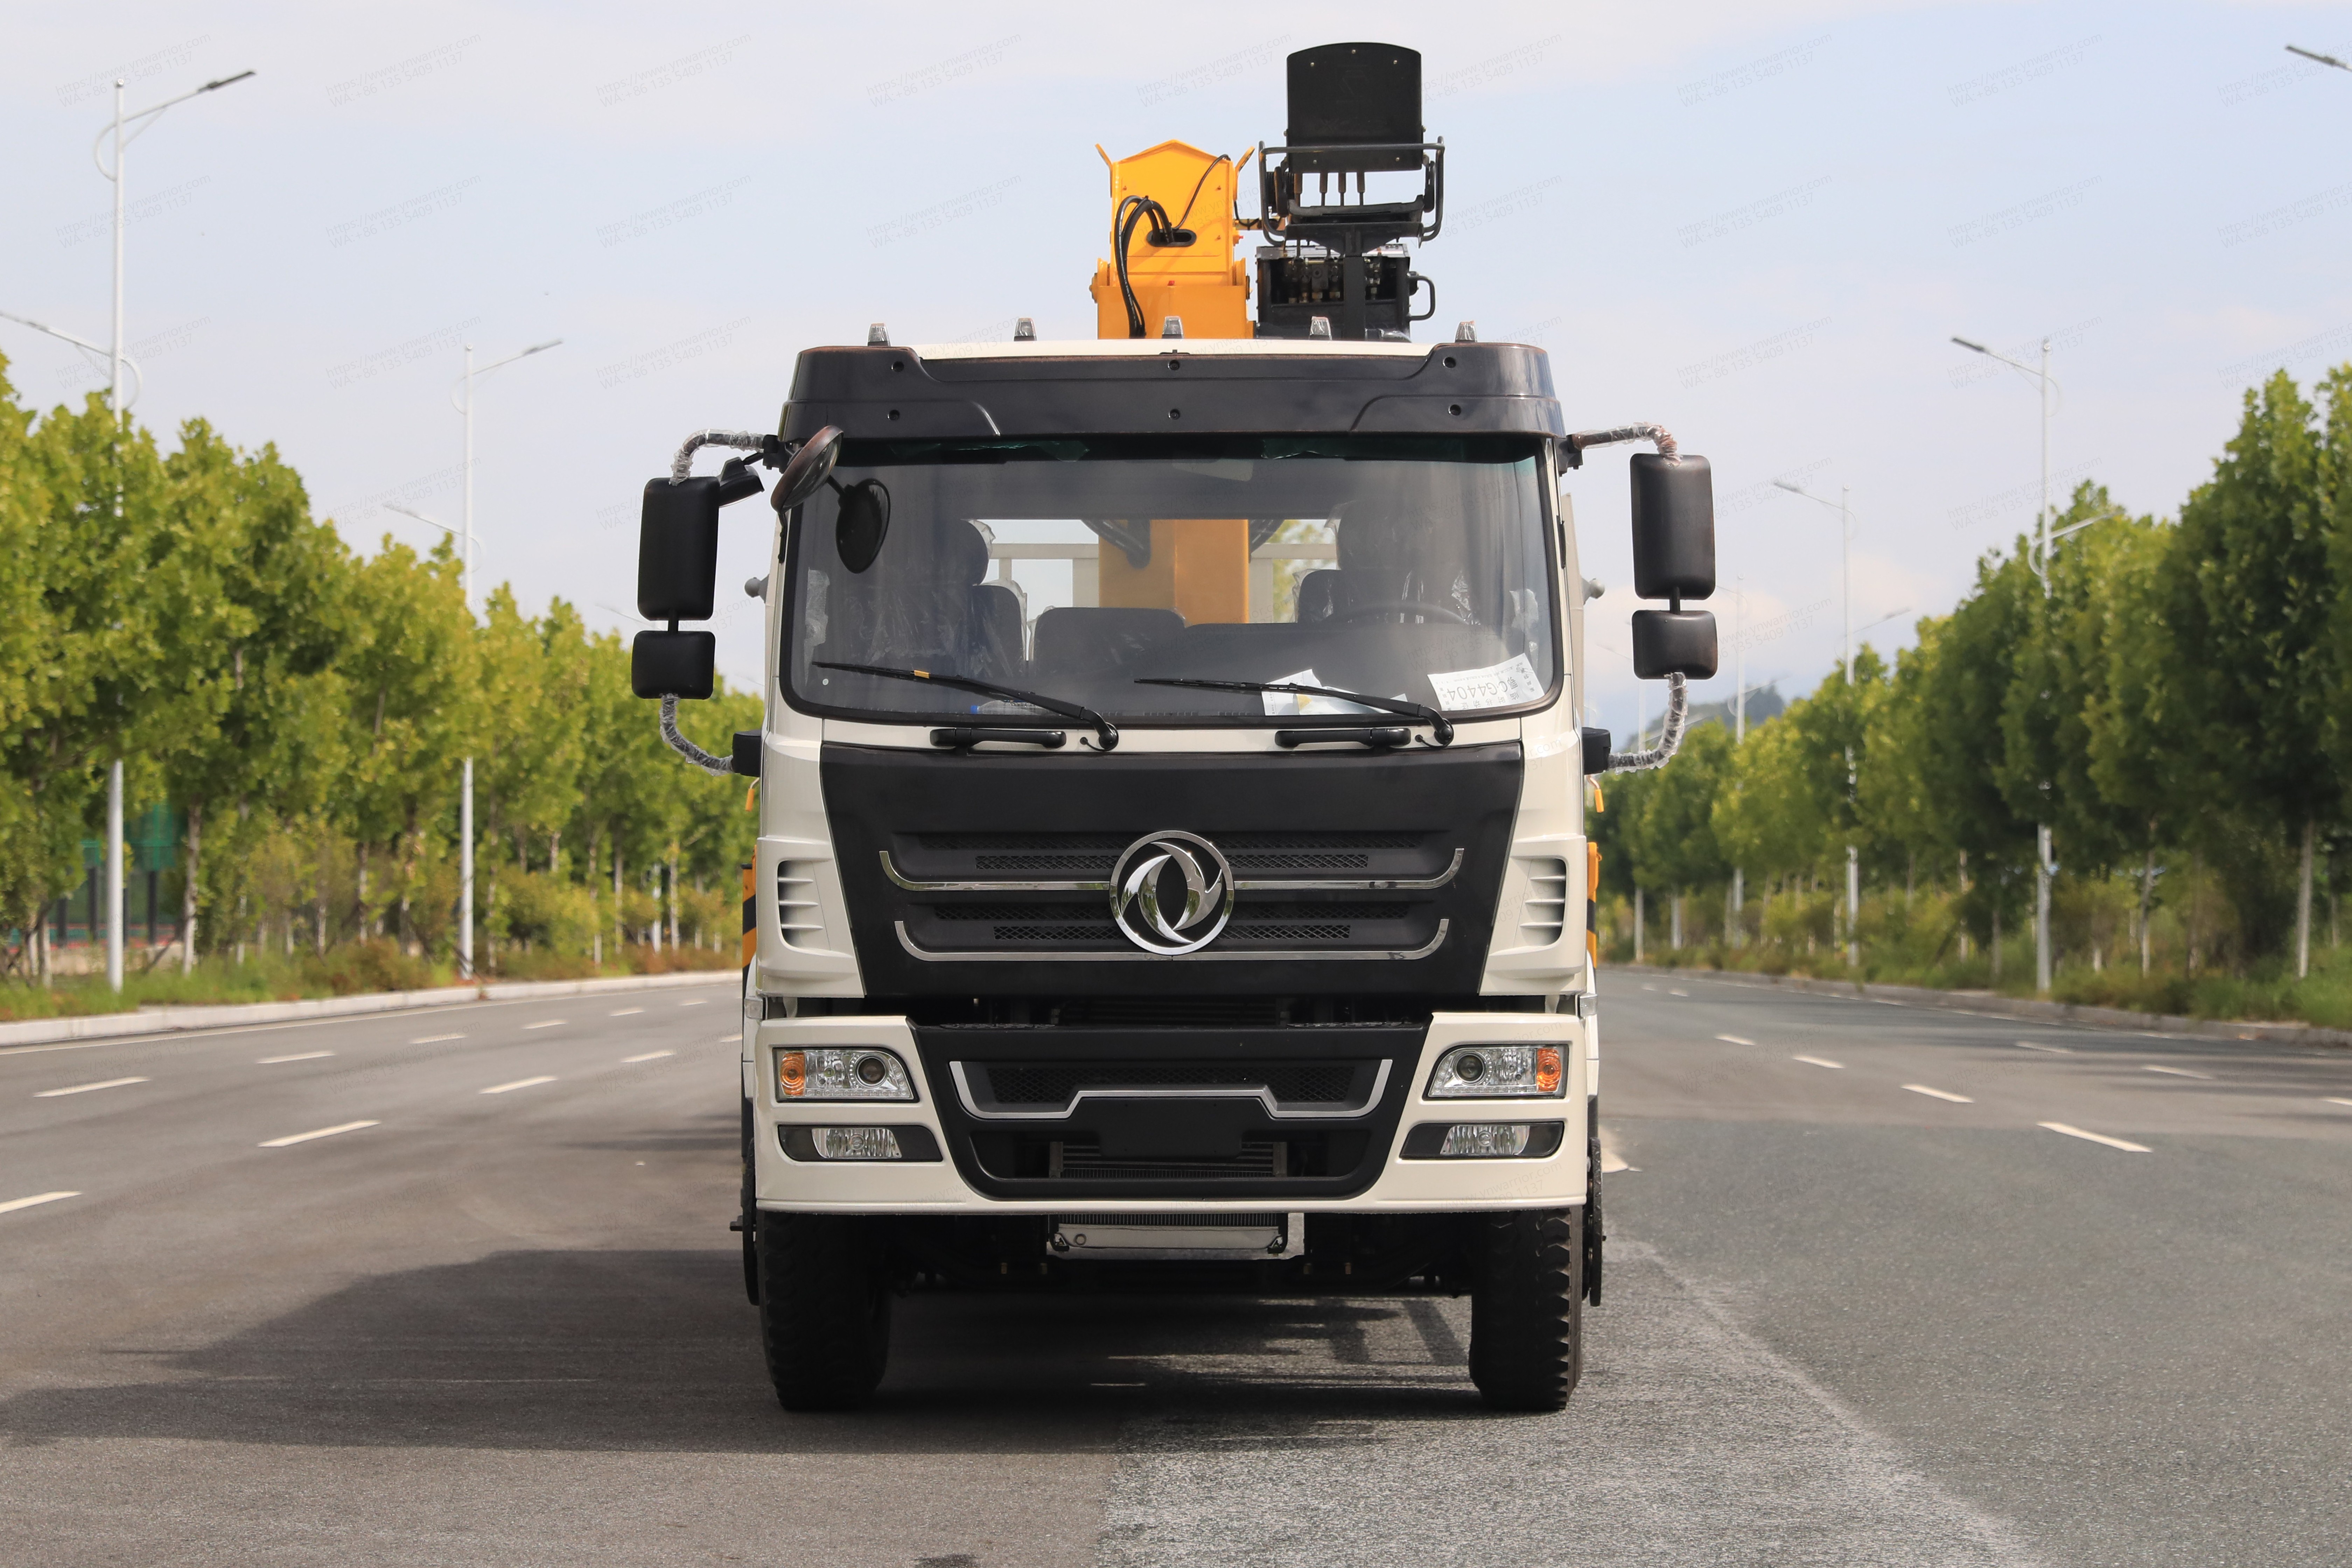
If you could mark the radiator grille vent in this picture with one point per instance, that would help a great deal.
(1546, 911)
(800, 921)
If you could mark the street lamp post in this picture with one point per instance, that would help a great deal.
(1845, 661)
(465, 406)
(2043, 867)
(143, 120)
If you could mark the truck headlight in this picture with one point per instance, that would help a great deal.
(1498, 1072)
(860, 1073)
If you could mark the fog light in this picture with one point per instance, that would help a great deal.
(860, 1142)
(1483, 1140)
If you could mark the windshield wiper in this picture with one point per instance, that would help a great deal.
(1106, 732)
(1439, 725)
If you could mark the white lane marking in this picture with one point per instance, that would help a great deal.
(2124, 1144)
(1649, 988)
(2337, 1099)
(2176, 1072)
(322, 1132)
(86, 1088)
(1677, 993)
(435, 1040)
(1613, 1162)
(1735, 1039)
(2053, 1051)
(1818, 1061)
(624, 1013)
(648, 1056)
(1939, 1094)
(297, 1056)
(693, 1004)
(544, 1024)
(521, 1083)
(15, 1203)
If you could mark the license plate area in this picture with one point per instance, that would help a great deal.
(1142, 1237)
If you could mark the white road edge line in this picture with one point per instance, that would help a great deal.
(2124, 1145)
(544, 1024)
(2176, 1072)
(1735, 1039)
(520, 1083)
(1939, 1094)
(297, 1056)
(15, 1203)
(648, 1056)
(322, 1132)
(86, 1088)
(433, 1039)
(1819, 1062)
(2053, 1051)
(624, 1013)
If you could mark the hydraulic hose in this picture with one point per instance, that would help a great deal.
(1655, 433)
(683, 464)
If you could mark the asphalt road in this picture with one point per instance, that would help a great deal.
(1847, 1322)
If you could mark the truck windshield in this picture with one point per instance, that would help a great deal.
(1405, 566)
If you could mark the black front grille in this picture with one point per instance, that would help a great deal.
(1052, 1083)
(1259, 1157)
(1101, 932)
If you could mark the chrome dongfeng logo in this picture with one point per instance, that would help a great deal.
(1172, 894)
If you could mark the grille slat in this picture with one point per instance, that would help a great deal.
(1052, 1083)
(1256, 1158)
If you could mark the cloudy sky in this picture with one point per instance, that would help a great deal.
(1757, 223)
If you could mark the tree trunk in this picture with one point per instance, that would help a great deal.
(1673, 922)
(1637, 924)
(1996, 941)
(326, 867)
(1963, 893)
(620, 932)
(673, 896)
(1910, 878)
(188, 893)
(2303, 904)
(359, 891)
(2146, 896)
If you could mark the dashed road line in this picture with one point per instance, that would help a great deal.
(1819, 1062)
(1677, 993)
(1735, 1039)
(544, 1024)
(2053, 1051)
(624, 1013)
(321, 1133)
(2124, 1143)
(86, 1088)
(520, 1083)
(2176, 1072)
(1939, 1094)
(697, 1003)
(297, 1056)
(15, 1203)
(2337, 1099)
(647, 1056)
(435, 1040)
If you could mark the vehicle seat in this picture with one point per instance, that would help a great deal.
(1318, 592)
(1080, 641)
(996, 632)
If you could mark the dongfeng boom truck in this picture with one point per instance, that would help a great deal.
(1171, 872)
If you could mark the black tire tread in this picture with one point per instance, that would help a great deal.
(1526, 1316)
(825, 1311)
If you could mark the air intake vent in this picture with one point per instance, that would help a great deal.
(800, 923)
(1547, 908)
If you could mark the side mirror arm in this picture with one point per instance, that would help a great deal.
(720, 766)
(1670, 734)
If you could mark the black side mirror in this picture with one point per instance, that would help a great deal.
(810, 467)
(865, 522)
(672, 664)
(1673, 528)
(677, 542)
(1672, 642)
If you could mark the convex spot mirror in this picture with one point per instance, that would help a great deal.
(677, 542)
(1674, 527)
(672, 664)
(810, 466)
(864, 523)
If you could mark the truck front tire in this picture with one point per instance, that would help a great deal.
(824, 1310)
(1527, 1300)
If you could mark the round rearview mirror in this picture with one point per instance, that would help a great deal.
(810, 467)
(864, 523)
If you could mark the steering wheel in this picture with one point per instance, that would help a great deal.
(1402, 607)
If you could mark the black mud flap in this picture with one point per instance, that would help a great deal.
(1594, 1235)
(746, 1221)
